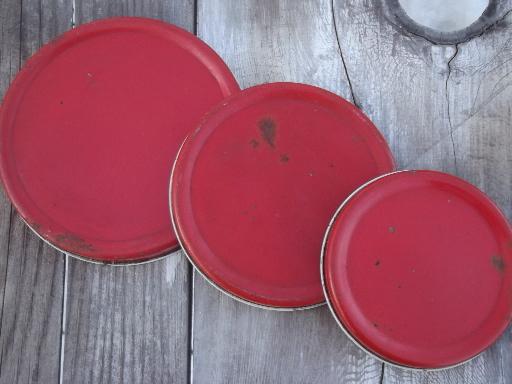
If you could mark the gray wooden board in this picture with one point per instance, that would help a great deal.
(128, 324)
(440, 107)
(31, 276)
(265, 41)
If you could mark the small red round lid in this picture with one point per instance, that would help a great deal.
(417, 268)
(255, 185)
(90, 127)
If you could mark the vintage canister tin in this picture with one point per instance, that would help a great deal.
(90, 128)
(417, 269)
(254, 186)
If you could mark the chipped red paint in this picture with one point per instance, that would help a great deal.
(90, 127)
(254, 186)
(425, 256)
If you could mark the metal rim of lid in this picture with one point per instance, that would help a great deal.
(399, 17)
(182, 242)
(329, 300)
(68, 37)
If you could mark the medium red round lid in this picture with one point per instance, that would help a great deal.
(417, 269)
(254, 186)
(90, 128)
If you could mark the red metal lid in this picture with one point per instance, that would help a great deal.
(254, 187)
(90, 128)
(417, 268)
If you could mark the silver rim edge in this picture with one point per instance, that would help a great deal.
(328, 301)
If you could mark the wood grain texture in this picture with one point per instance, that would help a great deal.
(399, 80)
(128, 324)
(440, 107)
(265, 41)
(236, 343)
(178, 12)
(31, 276)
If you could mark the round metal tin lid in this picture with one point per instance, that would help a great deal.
(91, 126)
(417, 268)
(254, 186)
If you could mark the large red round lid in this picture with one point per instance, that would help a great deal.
(254, 186)
(417, 268)
(90, 128)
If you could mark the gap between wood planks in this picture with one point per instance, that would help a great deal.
(5, 276)
(190, 362)
(63, 318)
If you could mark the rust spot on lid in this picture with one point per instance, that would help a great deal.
(498, 263)
(392, 229)
(35, 226)
(69, 240)
(268, 130)
(377, 263)
(254, 143)
(284, 158)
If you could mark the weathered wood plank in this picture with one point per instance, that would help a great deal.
(128, 324)
(399, 80)
(31, 277)
(236, 343)
(441, 107)
(266, 41)
(178, 12)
